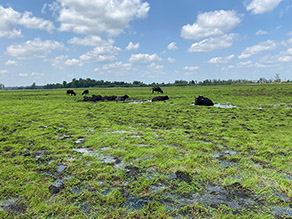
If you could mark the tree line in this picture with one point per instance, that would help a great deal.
(83, 83)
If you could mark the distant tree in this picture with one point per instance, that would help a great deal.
(2, 87)
(277, 78)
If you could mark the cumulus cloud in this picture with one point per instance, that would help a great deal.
(33, 49)
(211, 24)
(261, 32)
(117, 65)
(261, 6)
(63, 61)
(23, 74)
(261, 47)
(144, 58)
(99, 16)
(285, 56)
(171, 60)
(10, 18)
(191, 68)
(37, 74)
(90, 40)
(11, 62)
(132, 46)
(101, 54)
(154, 67)
(172, 46)
(212, 43)
(220, 60)
(3, 71)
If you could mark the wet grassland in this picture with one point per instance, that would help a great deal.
(171, 159)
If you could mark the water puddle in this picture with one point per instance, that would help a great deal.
(61, 168)
(282, 212)
(139, 101)
(13, 206)
(219, 105)
(119, 164)
(134, 203)
(79, 141)
(143, 145)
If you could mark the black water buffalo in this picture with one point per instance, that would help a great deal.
(203, 101)
(93, 98)
(108, 98)
(160, 98)
(157, 89)
(71, 92)
(123, 98)
(85, 92)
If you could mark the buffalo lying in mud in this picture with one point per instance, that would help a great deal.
(71, 92)
(123, 98)
(108, 98)
(85, 92)
(160, 98)
(157, 89)
(96, 98)
(203, 101)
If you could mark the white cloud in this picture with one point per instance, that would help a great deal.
(285, 56)
(261, 32)
(211, 43)
(23, 74)
(63, 61)
(37, 74)
(144, 58)
(132, 46)
(10, 18)
(101, 54)
(90, 41)
(211, 24)
(261, 6)
(117, 65)
(172, 46)
(171, 60)
(3, 71)
(33, 49)
(191, 68)
(11, 62)
(155, 67)
(99, 16)
(245, 64)
(31, 22)
(261, 47)
(220, 60)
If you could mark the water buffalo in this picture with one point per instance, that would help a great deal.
(108, 98)
(157, 89)
(160, 98)
(203, 101)
(94, 98)
(123, 98)
(71, 92)
(85, 92)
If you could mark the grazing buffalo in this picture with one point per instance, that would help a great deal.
(157, 89)
(160, 98)
(71, 92)
(123, 98)
(85, 92)
(203, 101)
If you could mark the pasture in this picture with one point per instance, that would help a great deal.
(61, 158)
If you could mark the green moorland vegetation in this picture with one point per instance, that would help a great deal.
(62, 158)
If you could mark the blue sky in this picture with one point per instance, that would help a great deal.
(150, 41)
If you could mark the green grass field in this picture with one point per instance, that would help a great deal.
(61, 158)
